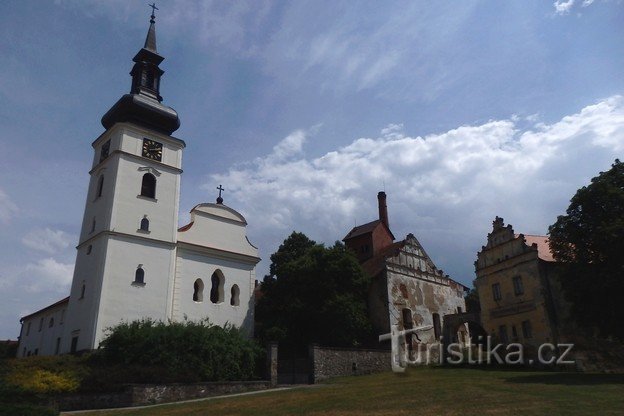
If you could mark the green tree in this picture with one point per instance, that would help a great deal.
(472, 301)
(589, 241)
(314, 294)
(190, 351)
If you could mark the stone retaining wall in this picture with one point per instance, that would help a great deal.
(146, 394)
(335, 362)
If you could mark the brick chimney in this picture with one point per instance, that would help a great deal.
(383, 209)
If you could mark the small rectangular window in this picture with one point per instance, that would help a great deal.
(526, 329)
(502, 333)
(518, 288)
(496, 292)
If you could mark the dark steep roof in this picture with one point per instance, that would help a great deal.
(365, 229)
(362, 229)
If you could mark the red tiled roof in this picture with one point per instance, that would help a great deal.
(186, 227)
(60, 302)
(543, 249)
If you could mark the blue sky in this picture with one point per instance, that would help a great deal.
(304, 110)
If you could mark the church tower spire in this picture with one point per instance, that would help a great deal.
(143, 104)
(150, 40)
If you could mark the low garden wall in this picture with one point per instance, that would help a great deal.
(335, 362)
(146, 394)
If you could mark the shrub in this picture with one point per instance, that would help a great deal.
(27, 384)
(43, 381)
(8, 349)
(43, 375)
(26, 410)
(180, 351)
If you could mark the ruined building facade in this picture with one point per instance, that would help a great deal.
(407, 288)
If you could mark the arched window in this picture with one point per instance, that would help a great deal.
(234, 300)
(148, 186)
(149, 80)
(145, 224)
(198, 291)
(100, 187)
(139, 275)
(216, 290)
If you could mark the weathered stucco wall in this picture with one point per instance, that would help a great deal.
(415, 283)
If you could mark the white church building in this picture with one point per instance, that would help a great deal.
(133, 260)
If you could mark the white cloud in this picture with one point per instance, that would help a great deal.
(7, 208)
(47, 240)
(563, 6)
(290, 146)
(448, 185)
(48, 275)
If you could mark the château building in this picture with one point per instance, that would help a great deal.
(518, 288)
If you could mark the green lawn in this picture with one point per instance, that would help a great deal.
(425, 391)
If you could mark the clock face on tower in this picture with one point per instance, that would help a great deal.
(152, 149)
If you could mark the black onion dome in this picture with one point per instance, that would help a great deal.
(143, 105)
(142, 110)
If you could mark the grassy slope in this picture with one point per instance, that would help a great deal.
(426, 391)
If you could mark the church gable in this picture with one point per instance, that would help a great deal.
(217, 227)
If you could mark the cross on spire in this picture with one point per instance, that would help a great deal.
(219, 199)
(154, 8)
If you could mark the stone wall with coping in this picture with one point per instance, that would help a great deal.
(336, 362)
(146, 394)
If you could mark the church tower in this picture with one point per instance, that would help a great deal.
(126, 256)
